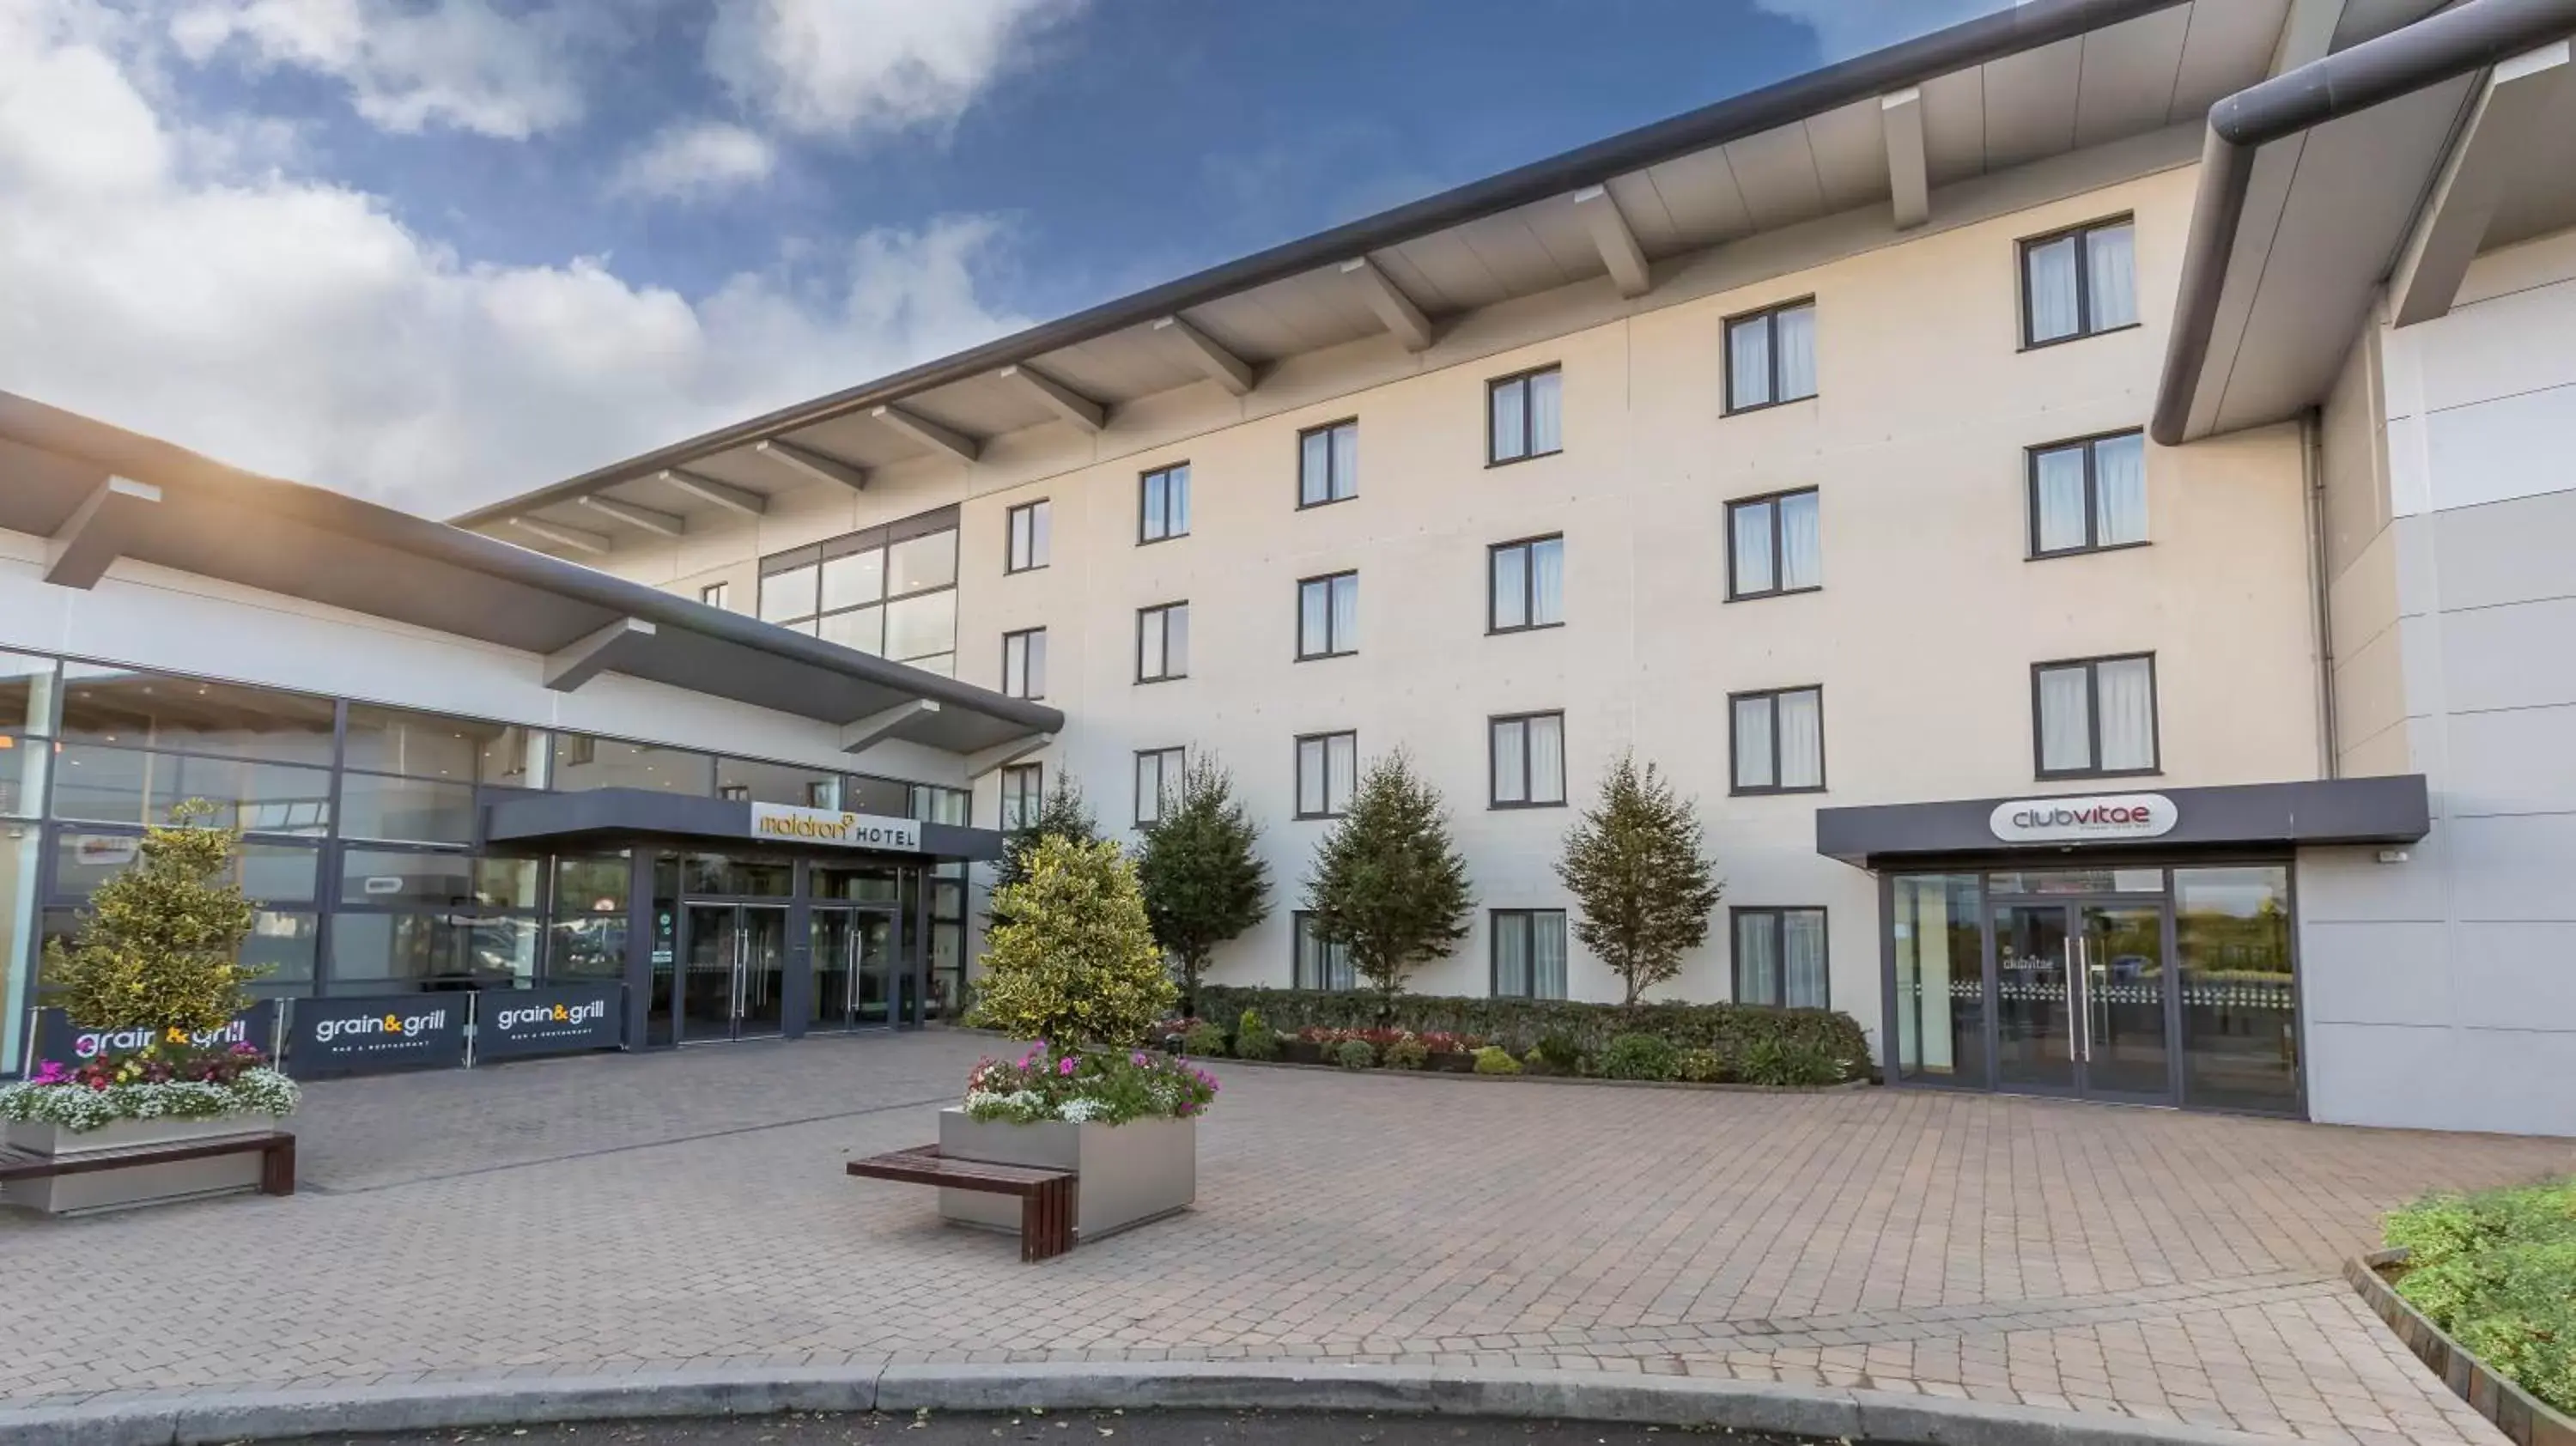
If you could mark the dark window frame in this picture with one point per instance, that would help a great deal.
(2092, 495)
(1779, 544)
(1522, 379)
(1297, 772)
(2082, 231)
(1494, 950)
(1160, 610)
(1734, 744)
(1331, 475)
(716, 594)
(1527, 778)
(1529, 584)
(1778, 915)
(1011, 540)
(1143, 516)
(1300, 922)
(2092, 667)
(1332, 640)
(1031, 800)
(883, 537)
(1769, 317)
(1163, 774)
(1020, 635)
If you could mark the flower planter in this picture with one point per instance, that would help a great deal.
(2523, 1419)
(139, 1184)
(1132, 1173)
(1301, 1051)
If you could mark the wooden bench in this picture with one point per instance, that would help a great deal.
(276, 1164)
(1046, 1196)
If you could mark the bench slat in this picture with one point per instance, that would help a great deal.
(926, 1166)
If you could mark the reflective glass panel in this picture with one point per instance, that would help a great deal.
(422, 745)
(2240, 1034)
(380, 877)
(405, 810)
(582, 762)
(118, 785)
(1940, 979)
(153, 710)
(268, 873)
(443, 950)
(917, 563)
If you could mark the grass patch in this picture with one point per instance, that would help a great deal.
(2497, 1272)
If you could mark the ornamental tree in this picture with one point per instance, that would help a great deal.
(1063, 814)
(1388, 884)
(159, 945)
(1203, 883)
(1643, 889)
(1074, 961)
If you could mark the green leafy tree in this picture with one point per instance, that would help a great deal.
(1203, 883)
(1075, 961)
(159, 946)
(1388, 884)
(1063, 814)
(1643, 888)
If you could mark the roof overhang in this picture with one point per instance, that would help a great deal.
(2392, 810)
(100, 493)
(607, 815)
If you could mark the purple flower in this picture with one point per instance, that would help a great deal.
(1137, 1059)
(1065, 1066)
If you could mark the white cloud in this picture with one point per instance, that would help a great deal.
(1845, 28)
(299, 328)
(841, 67)
(695, 160)
(458, 63)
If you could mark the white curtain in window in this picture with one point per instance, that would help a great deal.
(1346, 613)
(2065, 720)
(1753, 742)
(1509, 400)
(1546, 396)
(1748, 363)
(1547, 760)
(1757, 960)
(1149, 646)
(1753, 548)
(1149, 787)
(1180, 500)
(2111, 266)
(2128, 697)
(1511, 955)
(1796, 340)
(1314, 626)
(2060, 499)
(1802, 548)
(1037, 663)
(1802, 958)
(1511, 761)
(1511, 587)
(1547, 954)
(1346, 461)
(1157, 505)
(1315, 469)
(2120, 489)
(1042, 543)
(1310, 776)
(1342, 770)
(1176, 641)
(2050, 285)
(1547, 581)
(1802, 739)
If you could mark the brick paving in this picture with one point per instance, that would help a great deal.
(612, 1215)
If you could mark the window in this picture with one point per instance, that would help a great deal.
(2095, 716)
(1780, 957)
(1774, 545)
(1163, 642)
(1771, 357)
(716, 594)
(2089, 495)
(1163, 503)
(1779, 742)
(1032, 534)
(1024, 663)
(582, 763)
(1023, 792)
(1158, 776)
(1525, 585)
(1528, 760)
(1328, 771)
(890, 591)
(1529, 953)
(1328, 616)
(1524, 415)
(1320, 964)
(2080, 282)
(1328, 464)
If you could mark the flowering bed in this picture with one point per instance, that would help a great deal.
(1433, 1041)
(1106, 1088)
(164, 1084)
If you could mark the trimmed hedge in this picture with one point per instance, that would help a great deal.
(1519, 1024)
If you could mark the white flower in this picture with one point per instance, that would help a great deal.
(1082, 1111)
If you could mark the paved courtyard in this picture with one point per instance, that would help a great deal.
(602, 1215)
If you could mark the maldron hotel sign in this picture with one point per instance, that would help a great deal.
(2113, 818)
(831, 826)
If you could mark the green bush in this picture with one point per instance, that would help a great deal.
(1405, 1052)
(1494, 1059)
(1354, 1054)
(1786, 1062)
(2493, 1271)
(1254, 1038)
(1559, 1054)
(1639, 1057)
(1205, 1039)
(1701, 1066)
(1535, 1062)
(1076, 962)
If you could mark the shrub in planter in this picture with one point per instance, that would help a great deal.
(1518, 1024)
(1701, 1066)
(1254, 1038)
(1405, 1052)
(1108, 1087)
(2492, 1270)
(1639, 1057)
(1354, 1054)
(1205, 1038)
(1494, 1059)
(1781, 1062)
(1075, 960)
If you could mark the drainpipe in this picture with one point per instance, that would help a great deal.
(2312, 470)
(2460, 41)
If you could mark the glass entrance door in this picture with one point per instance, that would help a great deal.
(853, 968)
(2081, 1004)
(733, 972)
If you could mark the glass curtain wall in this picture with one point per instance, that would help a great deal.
(26, 726)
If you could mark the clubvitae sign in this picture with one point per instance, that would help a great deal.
(2106, 819)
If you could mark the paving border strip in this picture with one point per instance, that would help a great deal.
(1824, 1412)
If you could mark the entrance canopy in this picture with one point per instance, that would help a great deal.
(605, 815)
(2393, 810)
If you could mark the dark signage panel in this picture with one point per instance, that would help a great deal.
(56, 1038)
(516, 1023)
(376, 1033)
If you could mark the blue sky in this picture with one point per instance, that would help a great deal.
(437, 251)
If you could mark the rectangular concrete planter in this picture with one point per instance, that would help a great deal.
(139, 1184)
(1132, 1173)
(2523, 1420)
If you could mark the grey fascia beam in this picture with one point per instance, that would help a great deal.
(579, 540)
(722, 494)
(650, 519)
(1002, 755)
(1909, 175)
(2524, 98)
(809, 464)
(921, 429)
(1056, 397)
(876, 727)
(1228, 370)
(1613, 238)
(1402, 318)
(97, 532)
(612, 646)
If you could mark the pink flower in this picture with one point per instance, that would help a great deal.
(1066, 1066)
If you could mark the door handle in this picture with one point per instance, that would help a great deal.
(2084, 959)
(2068, 958)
